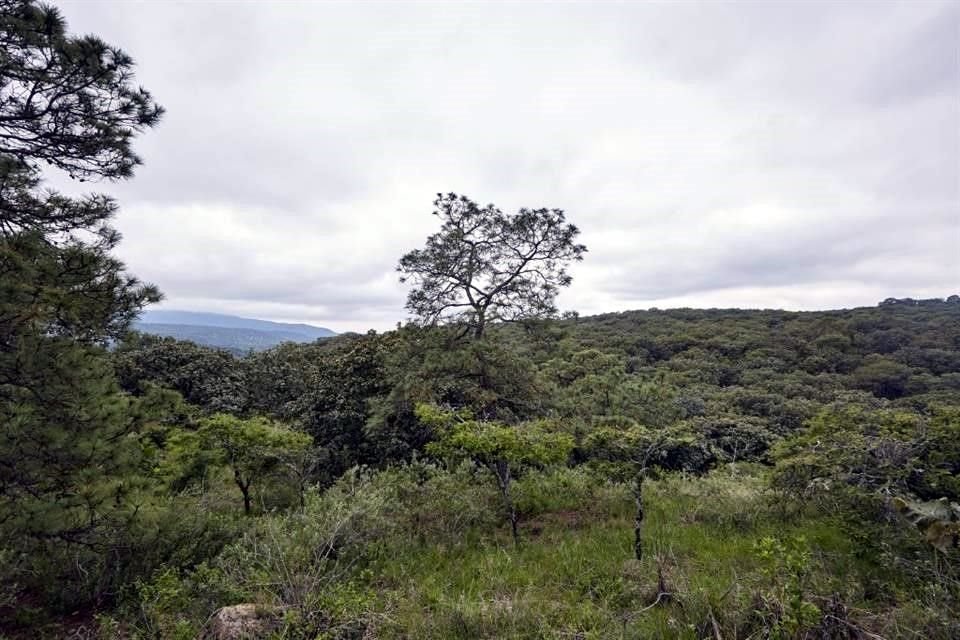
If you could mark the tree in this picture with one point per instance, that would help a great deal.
(630, 454)
(883, 377)
(860, 453)
(334, 407)
(66, 445)
(206, 377)
(503, 449)
(68, 435)
(485, 266)
(251, 449)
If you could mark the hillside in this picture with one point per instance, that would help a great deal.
(679, 473)
(236, 334)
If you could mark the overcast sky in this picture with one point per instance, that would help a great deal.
(758, 154)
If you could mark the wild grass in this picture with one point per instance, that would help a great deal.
(573, 575)
(432, 557)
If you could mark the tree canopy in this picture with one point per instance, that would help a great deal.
(484, 265)
(67, 101)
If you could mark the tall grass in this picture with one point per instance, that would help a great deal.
(424, 554)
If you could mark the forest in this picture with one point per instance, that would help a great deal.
(492, 468)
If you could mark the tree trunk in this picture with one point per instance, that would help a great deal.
(244, 489)
(480, 324)
(638, 518)
(502, 470)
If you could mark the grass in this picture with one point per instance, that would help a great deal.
(720, 561)
(573, 576)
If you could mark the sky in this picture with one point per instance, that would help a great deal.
(751, 154)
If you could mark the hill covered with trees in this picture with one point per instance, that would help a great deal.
(794, 473)
(235, 334)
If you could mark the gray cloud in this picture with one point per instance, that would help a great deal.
(752, 154)
(923, 64)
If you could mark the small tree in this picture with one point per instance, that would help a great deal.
(630, 454)
(251, 449)
(503, 449)
(485, 266)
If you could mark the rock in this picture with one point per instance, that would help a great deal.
(242, 622)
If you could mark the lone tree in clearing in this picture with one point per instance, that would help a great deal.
(486, 266)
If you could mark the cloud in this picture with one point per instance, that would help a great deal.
(767, 155)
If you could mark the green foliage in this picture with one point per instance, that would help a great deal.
(408, 552)
(624, 452)
(562, 492)
(310, 563)
(505, 449)
(71, 100)
(70, 447)
(483, 266)
(429, 505)
(66, 288)
(334, 408)
(707, 388)
(74, 466)
(275, 379)
(850, 450)
(487, 443)
(787, 566)
(205, 377)
(176, 603)
(250, 448)
(60, 477)
(732, 437)
(881, 376)
(590, 385)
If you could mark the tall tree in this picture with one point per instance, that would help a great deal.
(485, 266)
(67, 102)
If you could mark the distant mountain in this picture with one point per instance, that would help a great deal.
(228, 332)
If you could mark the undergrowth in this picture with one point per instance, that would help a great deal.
(419, 552)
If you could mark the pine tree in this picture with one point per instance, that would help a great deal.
(484, 266)
(67, 434)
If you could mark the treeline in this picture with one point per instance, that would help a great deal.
(774, 370)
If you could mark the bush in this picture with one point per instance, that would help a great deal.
(574, 489)
(433, 506)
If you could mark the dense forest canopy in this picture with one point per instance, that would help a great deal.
(487, 470)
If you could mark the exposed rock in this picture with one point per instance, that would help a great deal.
(242, 622)
(939, 520)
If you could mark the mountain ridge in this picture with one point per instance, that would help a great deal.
(235, 333)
